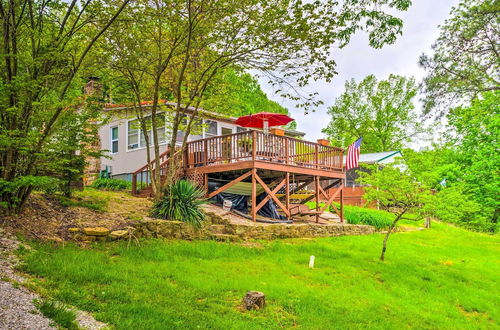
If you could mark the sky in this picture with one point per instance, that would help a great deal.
(358, 60)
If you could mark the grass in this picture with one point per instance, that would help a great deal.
(365, 216)
(360, 215)
(57, 313)
(443, 278)
(89, 198)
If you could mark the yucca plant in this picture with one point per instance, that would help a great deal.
(181, 201)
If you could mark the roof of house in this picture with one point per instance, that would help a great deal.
(378, 157)
(206, 113)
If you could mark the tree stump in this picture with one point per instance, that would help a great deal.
(254, 300)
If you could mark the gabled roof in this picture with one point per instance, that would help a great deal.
(384, 157)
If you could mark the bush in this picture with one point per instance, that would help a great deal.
(181, 201)
(111, 184)
(364, 216)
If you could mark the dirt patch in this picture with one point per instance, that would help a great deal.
(47, 218)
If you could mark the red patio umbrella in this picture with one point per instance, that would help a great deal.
(259, 120)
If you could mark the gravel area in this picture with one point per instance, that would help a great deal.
(17, 310)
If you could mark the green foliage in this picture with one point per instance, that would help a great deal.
(44, 120)
(111, 184)
(382, 112)
(394, 187)
(477, 141)
(365, 216)
(239, 93)
(465, 60)
(9, 190)
(442, 278)
(181, 201)
(57, 313)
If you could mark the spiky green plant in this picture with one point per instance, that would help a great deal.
(181, 201)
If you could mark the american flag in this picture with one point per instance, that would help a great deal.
(353, 154)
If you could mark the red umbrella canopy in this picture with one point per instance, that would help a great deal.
(257, 119)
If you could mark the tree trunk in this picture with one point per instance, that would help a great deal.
(386, 238)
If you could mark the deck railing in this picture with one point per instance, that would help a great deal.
(257, 146)
(141, 178)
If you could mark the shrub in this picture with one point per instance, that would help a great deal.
(364, 216)
(111, 184)
(181, 201)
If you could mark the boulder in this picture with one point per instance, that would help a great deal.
(254, 300)
(96, 231)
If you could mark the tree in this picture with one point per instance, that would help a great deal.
(394, 188)
(382, 112)
(45, 45)
(288, 41)
(237, 94)
(465, 59)
(476, 139)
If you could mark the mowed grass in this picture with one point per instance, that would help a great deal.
(444, 278)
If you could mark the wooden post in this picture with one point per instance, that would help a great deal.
(254, 145)
(134, 184)
(286, 152)
(316, 186)
(287, 192)
(205, 155)
(341, 201)
(316, 159)
(254, 194)
(205, 183)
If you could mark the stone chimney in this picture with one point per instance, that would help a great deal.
(93, 88)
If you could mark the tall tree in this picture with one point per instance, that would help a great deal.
(476, 139)
(44, 46)
(382, 112)
(289, 41)
(465, 59)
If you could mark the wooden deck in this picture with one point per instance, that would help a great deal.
(255, 149)
(273, 162)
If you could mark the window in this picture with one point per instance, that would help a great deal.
(196, 130)
(240, 129)
(137, 139)
(211, 128)
(114, 140)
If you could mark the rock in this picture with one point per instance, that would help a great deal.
(218, 229)
(117, 234)
(254, 300)
(96, 231)
(74, 230)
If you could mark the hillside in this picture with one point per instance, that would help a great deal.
(444, 277)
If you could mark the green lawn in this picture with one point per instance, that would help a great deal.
(444, 278)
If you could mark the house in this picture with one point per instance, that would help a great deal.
(222, 158)
(124, 141)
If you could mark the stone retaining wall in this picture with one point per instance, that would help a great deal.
(215, 227)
